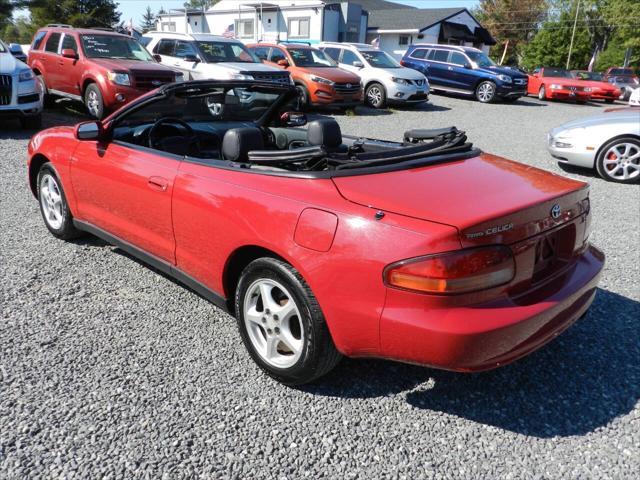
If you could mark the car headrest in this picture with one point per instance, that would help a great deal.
(238, 142)
(324, 132)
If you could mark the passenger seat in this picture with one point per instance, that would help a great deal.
(326, 133)
(238, 142)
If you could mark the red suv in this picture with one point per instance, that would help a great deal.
(101, 68)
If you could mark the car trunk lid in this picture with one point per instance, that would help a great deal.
(488, 199)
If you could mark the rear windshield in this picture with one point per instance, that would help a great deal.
(557, 73)
(379, 59)
(214, 52)
(111, 46)
(309, 57)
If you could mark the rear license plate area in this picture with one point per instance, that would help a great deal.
(553, 251)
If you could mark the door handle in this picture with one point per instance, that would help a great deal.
(158, 183)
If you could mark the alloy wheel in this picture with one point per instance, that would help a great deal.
(51, 201)
(273, 322)
(485, 92)
(622, 161)
(374, 95)
(93, 103)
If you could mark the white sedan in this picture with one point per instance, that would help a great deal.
(609, 142)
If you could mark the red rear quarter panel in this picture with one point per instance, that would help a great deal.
(216, 212)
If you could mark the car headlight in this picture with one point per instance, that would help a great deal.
(26, 75)
(324, 81)
(120, 78)
(401, 81)
(505, 78)
(555, 86)
(240, 76)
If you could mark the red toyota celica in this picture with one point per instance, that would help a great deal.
(421, 250)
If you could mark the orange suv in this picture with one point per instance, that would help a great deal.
(317, 77)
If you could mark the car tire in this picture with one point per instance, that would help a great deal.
(615, 157)
(486, 92)
(375, 95)
(48, 100)
(286, 334)
(303, 94)
(542, 93)
(53, 205)
(33, 122)
(94, 101)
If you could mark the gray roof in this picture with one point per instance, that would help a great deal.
(400, 19)
(370, 5)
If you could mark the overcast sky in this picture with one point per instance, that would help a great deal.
(135, 8)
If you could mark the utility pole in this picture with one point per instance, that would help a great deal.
(573, 34)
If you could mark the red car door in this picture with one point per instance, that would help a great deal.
(126, 191)
(534, 82)
(72, 67)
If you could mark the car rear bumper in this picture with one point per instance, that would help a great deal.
(486, 336)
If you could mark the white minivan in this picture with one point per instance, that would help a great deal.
(202, 56)
(384, 80)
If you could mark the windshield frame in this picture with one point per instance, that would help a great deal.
(205, 58)
(332, 63)
(120, 37)
(480, 55)
(568, 75)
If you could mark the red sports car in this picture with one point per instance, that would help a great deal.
(422, 250)
(600, 89)
(557, 84)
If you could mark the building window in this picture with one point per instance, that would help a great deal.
(404, 40)
(299, 27)
(244, 28)
(168, 26)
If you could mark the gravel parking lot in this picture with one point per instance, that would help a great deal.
(111, 370)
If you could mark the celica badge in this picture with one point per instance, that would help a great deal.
(555, 211)
(491, 231)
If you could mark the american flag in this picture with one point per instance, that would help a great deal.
(229, 32)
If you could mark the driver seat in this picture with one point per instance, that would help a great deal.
(238, 142)
(325, 133)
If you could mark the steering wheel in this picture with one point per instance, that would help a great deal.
(190, 136)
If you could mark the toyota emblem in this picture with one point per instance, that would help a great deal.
(555, 211)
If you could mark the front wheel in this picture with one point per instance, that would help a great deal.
(542, 93)
(375, 96)
(486, 92)
(94, 102)
(281, 323)
(303, 95)
(53, 205)
(619, 160)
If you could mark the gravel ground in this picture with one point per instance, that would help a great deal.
(110, 370)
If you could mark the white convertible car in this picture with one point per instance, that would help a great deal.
(609, 142)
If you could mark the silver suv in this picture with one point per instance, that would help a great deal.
(201, 56)
(385, 81)
(20, 91)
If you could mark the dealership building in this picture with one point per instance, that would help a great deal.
(393, 27)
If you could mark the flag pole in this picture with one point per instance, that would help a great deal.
(573, 34)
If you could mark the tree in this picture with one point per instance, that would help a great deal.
(148, 20)
(7, 8)
(79, 13)
(20, 31)
(513, 21)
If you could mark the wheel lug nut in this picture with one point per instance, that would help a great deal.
(269, 331)
(277, 330)
(275, 317)
(267, 311)
(264, 319)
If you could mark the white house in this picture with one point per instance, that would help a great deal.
(395, 26)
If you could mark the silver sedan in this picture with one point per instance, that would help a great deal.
(609, 142)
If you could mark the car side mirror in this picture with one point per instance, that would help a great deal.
(89, 131)
(468, 66)
(157, 58)
(358, 64)
(191, 58)
(283, 63)
(293, 119)
(69, 53)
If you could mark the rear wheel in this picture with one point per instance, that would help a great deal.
(281, 323)
(375, 95)
(53, 205)
(542, 93)
(486, 92)
(94, 102)
(619, 160)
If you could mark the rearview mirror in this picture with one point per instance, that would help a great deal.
(89, 131)
(191, 58)
(283, 63)
(293, 119)
(69, 53)
(358, 64)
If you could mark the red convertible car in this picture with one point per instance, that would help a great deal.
(600, 89)
(557, 84)
(422, 250)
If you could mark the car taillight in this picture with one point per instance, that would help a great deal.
(454, 272)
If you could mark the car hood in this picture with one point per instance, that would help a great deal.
(475, 195)
(9, 64)
(248, 67)
(403, 72)
(334, 74)
(497, 70)
(625, 115)
(569, 82)
(597, 84)
(114, 64)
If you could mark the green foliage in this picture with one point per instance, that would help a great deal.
(79, 13)
(20, 31)
(148, 20)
